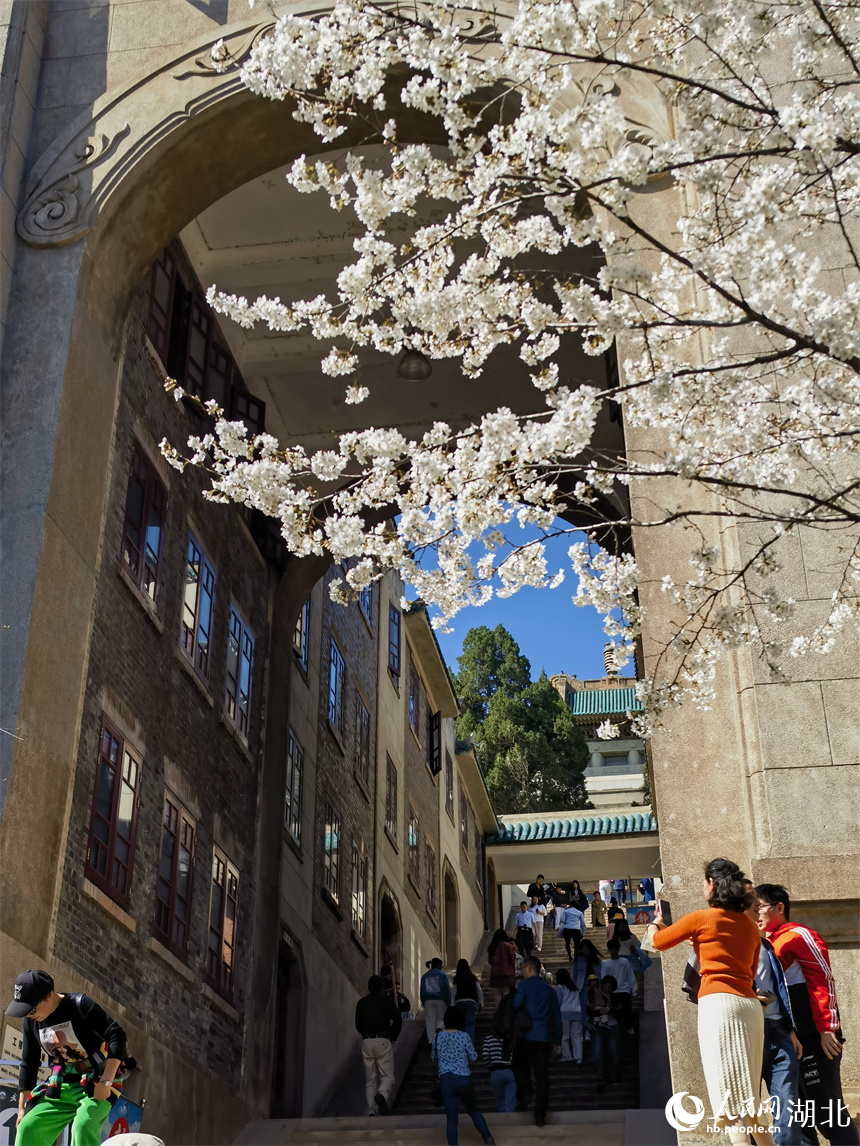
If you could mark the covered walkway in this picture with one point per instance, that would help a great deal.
(561, 844)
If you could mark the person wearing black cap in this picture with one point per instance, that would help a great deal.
(378, 1021)
(84, 1048)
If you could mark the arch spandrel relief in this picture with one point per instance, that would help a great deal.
(72, 180)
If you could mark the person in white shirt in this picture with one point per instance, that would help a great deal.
(570, 1002)
(625, 978)
(605, 888)
(539, 911)
(525, 937)
(571, 925)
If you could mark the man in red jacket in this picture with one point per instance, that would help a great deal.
(812, 990)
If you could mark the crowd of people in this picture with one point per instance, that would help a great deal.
(766, 997)
(767, 1012)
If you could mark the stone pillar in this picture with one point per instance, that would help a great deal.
(634, 758)
(596, 760)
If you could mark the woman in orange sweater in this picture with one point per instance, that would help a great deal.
(731, 1022)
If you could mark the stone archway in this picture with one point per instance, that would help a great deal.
(104, 199)
(390, 931)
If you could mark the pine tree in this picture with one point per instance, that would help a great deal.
(532, 752)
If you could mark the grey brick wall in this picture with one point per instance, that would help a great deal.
(133, 668)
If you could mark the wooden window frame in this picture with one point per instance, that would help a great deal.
(124, 765)
(301, 635)
(199, 655)
(331, 852)
(413, 848)
(464, 821)
(157, 331)
(220, 966)
(240, 651)
(430, 875)
(145, 575)
(365, 603)
(391, 798)
(336, 688)
(395, 646)
(362, 740)
(293, 788)
(176, 825)
(449, 785)
(434, 741)
(184, 336)
(359, 891)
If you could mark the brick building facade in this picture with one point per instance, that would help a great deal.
(167, 709)
(366, 857)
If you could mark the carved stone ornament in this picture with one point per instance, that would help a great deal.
(72, 180)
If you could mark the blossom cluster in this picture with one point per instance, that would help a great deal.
(722, 239)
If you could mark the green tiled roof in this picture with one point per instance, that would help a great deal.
(549, 829)
(603, 701)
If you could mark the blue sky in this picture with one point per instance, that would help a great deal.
(551, 631)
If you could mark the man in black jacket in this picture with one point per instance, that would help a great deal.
(84, 1048)
(378, 1021)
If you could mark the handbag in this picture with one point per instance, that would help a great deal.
(436, 1088)
(641, 959)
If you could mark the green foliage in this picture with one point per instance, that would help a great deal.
(490, 663)
(646, 785)
(532, 752)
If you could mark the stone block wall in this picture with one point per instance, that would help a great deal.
(22, 35)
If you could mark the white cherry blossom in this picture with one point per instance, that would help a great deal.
(726, 285)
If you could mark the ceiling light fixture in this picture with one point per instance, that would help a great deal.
(414, 366)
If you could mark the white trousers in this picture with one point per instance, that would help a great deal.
(538, 933)
(378, 1058)
(606, 894)
(571, 1040)
(434, 1015)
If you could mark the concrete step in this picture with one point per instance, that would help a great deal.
(576, 1128)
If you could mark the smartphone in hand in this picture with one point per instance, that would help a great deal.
(665, 911)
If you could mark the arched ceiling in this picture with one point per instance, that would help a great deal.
(266, 238)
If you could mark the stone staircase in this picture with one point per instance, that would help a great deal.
(572, 1088)
(574, 1128)
(578, 1116)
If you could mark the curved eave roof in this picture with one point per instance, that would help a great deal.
(603, 701)
(531, 830)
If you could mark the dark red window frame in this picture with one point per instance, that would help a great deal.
(196, 633)
(111, 839)
(145, 503)
(394, 643)
(220, 970)
(175, 878)
(413, 851)
(391, 798)
(181, 327)
(161, 292)
(240, 672)
(449, 784)
(434, 741)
